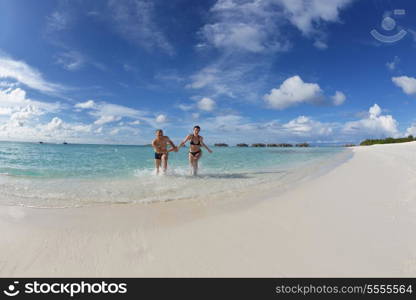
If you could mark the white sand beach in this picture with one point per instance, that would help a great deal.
(356, 220)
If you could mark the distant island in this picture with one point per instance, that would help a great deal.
(388, 140)
(274, 145)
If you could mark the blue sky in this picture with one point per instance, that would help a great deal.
(244, 70)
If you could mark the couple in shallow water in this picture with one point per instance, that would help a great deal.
(161, 142)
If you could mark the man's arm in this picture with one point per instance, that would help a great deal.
(171, 144)
(156, 147)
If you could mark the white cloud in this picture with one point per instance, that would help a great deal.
(21, 120)
(22, 115)
(115, 131)
(82, 128)
(108, 112)
(231, 78)
(126, 129)
(211, 78)
(303, 125)
(408, 84)
(393, 64)
(104, 108)
(308, 15)
(374, 111)
(5, 111)
(374, 125)
(239, 129)
(13, 96)
(161, 119)
(185, 107)
(59, 129)
(293, 91)
(256, 25)
(135, 21)
(22, 127)
(55, 124)
(25, 74)
(86, 105)
(320, 44)
(7, 84)
(26, 112)
(57, 21)
(338, 98)
(107, 119)
(71, 60)
(248, 37)
(14, 102)
(206, 104)
(128, 67)
(411, 130)
(247, 26)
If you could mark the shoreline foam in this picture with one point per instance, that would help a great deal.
(148, 188)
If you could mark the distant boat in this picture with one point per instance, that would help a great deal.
(40, 142)
(65, 143)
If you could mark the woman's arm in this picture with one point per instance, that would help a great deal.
(184, 141)
(203, 144)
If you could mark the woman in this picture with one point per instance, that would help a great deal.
(195, 152)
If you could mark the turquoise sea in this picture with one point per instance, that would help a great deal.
(58, 175)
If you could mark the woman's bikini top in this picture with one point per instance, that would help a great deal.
(192, 141)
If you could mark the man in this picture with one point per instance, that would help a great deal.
(160, 144)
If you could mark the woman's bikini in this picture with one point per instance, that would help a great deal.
(195, 144)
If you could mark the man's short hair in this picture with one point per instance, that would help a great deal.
(196, 126)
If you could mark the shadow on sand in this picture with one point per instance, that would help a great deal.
(244, 175)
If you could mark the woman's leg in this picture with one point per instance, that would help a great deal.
(196, 159)
(192, 163)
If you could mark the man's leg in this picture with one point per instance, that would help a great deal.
(165, 162)
(157, 165)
